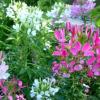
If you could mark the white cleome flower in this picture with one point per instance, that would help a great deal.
(36, 83)
(39, 97)
(47, 93)
(86, 86)
(27, 16)
(10, 13)
(44, 90)
(33, 33)
(75, 21)
(53, 91)
(16, 27)
(47, 45)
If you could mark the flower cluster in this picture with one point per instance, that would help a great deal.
(27, 16)
(82, 7)
(11, 89)
(59, 13)
(44, 89)
(79, 53)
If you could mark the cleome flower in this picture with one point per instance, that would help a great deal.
(3, 71)
(44, 89)
(86, 49)
(25, 16)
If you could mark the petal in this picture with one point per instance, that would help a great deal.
(91, 60)
(86, 47)
(77, 46)
(10, 97)
(98, 51)
(74, 51)
(56, 53)
(68, 26)
(89, 53)
(64, 53)
(60, 35)
(90, 74)
(98, 59)
(97, 73)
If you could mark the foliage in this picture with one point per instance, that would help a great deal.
(95, 16)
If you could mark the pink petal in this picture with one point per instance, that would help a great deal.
(74, 30)
(98, 51)
(60, 35)
(90, 74)
(97, 41)
(64, 53)
(90, 32)
(86, 47)
(91, 60)
(68, 26)
(98, 59)
(96, 68)
(56, 53)
(74, 51)
(77, 46)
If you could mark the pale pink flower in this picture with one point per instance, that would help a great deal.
(78, 67)
(20, 97)
(55, 67)
(66, 75)
(4, 89)
(10, 97)
(96, 69)
(3, 71)
(71, 66)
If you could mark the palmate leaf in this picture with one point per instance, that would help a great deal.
(98, 22)
(95, 15)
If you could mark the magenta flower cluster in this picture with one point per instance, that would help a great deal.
(77, 54)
